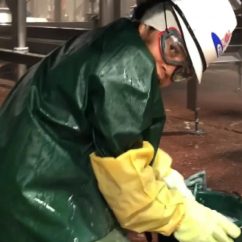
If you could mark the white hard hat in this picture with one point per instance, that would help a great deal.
(207, 27)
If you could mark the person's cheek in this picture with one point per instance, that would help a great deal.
(160, 72)
(164, 79)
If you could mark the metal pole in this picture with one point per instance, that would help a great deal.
(74, 11)
(109, 11)
(116, 9)
(21, 70)
(21, 27)
(57, 9)
(192, 104)
(240, 77)
(2, 3)
(18, 10)
(92, 7)
(192, 87)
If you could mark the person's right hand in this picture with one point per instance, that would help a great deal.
(201, 224)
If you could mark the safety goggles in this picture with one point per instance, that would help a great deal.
(173, 52)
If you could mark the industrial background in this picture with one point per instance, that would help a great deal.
(204, 122)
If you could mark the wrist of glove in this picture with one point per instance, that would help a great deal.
(201, 224)
(174, 180)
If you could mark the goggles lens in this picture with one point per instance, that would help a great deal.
(173, 52)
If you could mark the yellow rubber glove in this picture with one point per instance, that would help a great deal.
(201, 224)
(172, 178)
(162, 164)
(139, 201)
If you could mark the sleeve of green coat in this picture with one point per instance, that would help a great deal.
(139, 200)
(126, 101)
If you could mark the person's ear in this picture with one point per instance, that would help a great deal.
(144, 31)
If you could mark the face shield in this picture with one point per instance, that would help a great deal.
(173, 52)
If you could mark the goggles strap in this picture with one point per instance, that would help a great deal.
(179, 11)
(165, 17)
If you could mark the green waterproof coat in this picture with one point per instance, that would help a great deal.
(99, 92)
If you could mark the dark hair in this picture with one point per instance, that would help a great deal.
(142, 7)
